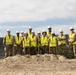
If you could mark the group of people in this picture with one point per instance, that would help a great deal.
(47, 42)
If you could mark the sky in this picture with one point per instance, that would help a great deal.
(18, 15)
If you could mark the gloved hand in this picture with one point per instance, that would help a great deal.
(23, 50)
(18, 45)
(4, 48)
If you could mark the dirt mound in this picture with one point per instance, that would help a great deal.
(61, 58)
(18, 59)
(37, 65)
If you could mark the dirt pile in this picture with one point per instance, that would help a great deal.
(37, 65)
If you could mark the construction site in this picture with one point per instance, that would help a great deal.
(48, 64)
(37, 37)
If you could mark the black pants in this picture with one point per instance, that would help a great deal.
(26, 50)
(45, 50)
(52, 50)
(33, 51)
(17, 50)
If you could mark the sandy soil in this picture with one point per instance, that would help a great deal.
(37, 65)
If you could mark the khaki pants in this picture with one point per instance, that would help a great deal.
(9, 50)
(70, 51)
(26, 50)
(74, 50)
(39, 50)
(17, 50)
(63, 49)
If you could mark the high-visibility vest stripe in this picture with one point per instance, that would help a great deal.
(26, 42)
(71, 38)
(44, 41)
(33, 41)
(52, 41)
(18, 41)
(62, 41)
(9, 40)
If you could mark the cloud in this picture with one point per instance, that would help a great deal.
(36, 10)
(13, 27)
(56, 28)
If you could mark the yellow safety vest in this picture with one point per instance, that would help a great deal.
(9, 40)
(52, 41)
(26, 42)
(39, 41)
(21, 37)
(44, 41)
(33, 41)
(71, 38)
(62, 41)
(49, 34)
(18, 40)
(30, 35)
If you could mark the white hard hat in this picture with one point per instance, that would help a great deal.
(43, 31)
(30, 27)
(32, 31)
(60, 30)
(22, 32)
(49, 26)
(17, 31)
(25, 32)
(38, 32)
(71, 28)
(52, 32)
(8, 30)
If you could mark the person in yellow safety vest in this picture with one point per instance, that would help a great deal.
(49, 31)
(62, 43)
(30, 32)
(17, 44)
(52, 43)
(33, 44)
(72, 41)
(22, 37)
(26, 44)
(8, 44)
(38, 42)
(74, 46)
(44, 42)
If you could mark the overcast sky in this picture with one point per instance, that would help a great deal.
(39, 14)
